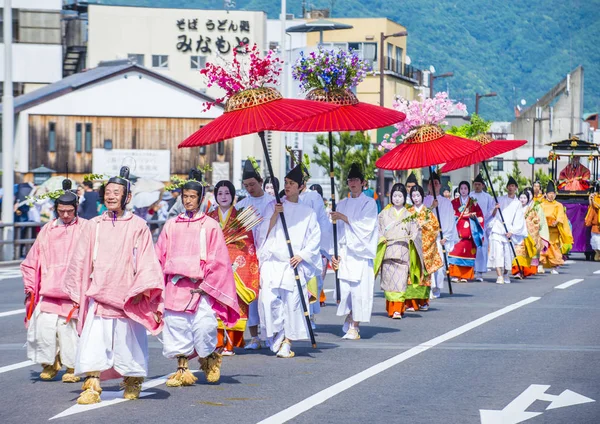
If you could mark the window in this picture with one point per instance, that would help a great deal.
(399, 52)
(160, 61)
(88, 138)
(202, 150)
(221, 148)
(390, 57)
(138, 59)
(500, 165)
(197, 62)
(52, 136)
(78, 137)
(15, 25)
(366, 51)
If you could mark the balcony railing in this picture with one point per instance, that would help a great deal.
(400, 69)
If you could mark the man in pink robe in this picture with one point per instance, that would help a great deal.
(116, 280)
(199, 287)
(50, 316)
(574, 177)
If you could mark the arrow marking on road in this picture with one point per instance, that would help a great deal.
(9, 313)
(113, 398)
(516, 411)
(569, 283)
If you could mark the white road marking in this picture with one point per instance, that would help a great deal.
(569, 283)
(516, 411)
(113, 398)
(597, 272)
(7, 274)
(322, 396)
(569, 261)
(9, 313)
(16, 366)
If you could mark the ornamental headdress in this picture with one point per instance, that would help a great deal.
(195, 181)
(123, 180)
(251, 169)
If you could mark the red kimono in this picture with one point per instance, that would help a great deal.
(470, 235)
(247, 281)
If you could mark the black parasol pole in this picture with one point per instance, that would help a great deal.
(512, 247)
(261, 134)
(335, 243)
(437, 213)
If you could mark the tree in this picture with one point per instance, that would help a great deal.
(476, 126)
(543, 178)
(347, 149)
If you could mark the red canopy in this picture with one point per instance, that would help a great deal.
(488, 148)
(426, 145)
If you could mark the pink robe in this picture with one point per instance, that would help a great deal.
(46, 264)
(125, 266)
(195, 249)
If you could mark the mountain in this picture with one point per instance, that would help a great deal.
(518, 49)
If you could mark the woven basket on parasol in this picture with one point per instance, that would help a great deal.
(426, 145)
(488, 148)
(352, 115)
(254, 110)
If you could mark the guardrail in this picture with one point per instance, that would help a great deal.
(25, 233)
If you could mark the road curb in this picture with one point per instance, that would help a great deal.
(7, 264)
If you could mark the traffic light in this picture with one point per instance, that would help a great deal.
(538, 161)
(531, 160)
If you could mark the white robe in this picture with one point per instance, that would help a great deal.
(448, 225)
(357, 249)
(501, 255)
(49, 335)
(260, 203)
(486, 203)
(279, 303)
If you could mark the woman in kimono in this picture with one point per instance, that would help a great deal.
(245, 266)
(529, 250)
(417, 294)
(399, 235)
(469, 227)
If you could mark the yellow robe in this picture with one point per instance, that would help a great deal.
(561, 237)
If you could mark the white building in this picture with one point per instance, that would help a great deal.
(37, 51)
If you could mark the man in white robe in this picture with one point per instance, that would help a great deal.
(501, 254)
(448, 235)
(356, 218)
(487, 204)
(282, 318)
(253, 183)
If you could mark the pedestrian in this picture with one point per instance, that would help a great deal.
(561, 237)
(469, 228)
(199, 286)
(279, 300)
(400, 236)
(447, 237)
(486, 204)
(271, 185)
(115, 278)
(591, 220)
(242, 256)
(538, 193)
(89, 206)
(257, 198)
(537, 240)
(501, 254)
(411, 181)
(50, 317)
(356, 218)
(432, 261)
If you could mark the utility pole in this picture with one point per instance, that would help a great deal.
(479, 96)
(434, 77)
(8, 116)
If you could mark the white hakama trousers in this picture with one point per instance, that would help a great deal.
(438, 277)
(186, 332)
(49, 335)
(118, 343)
(595, 241)
(481, 260)
(357, 296)
(501, 255)
(281, 315)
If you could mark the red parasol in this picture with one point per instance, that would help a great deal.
(424, 146)
(352, 115)
(252, 111)
(488, 148)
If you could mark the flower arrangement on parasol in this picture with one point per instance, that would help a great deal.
(423, 143)
(328, 76)
(252, 107)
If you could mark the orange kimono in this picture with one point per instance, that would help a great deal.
(245, 266)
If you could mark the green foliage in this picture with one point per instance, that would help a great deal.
(477, 126)
(347, 149)
(542, 177)
(521, 179)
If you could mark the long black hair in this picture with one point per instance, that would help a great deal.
(272, 180)
(419, 189)
(230, 187)
(398, 187)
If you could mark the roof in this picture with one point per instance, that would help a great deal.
(80, 80)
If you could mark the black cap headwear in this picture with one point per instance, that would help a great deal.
(251, 169)
(123, 180)
(511, 180)
(356, 172)
(67, 198)
(434, 176)
(194, 182)
(479, 179)
(411, 178)
(296, 174)
(550, 188)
